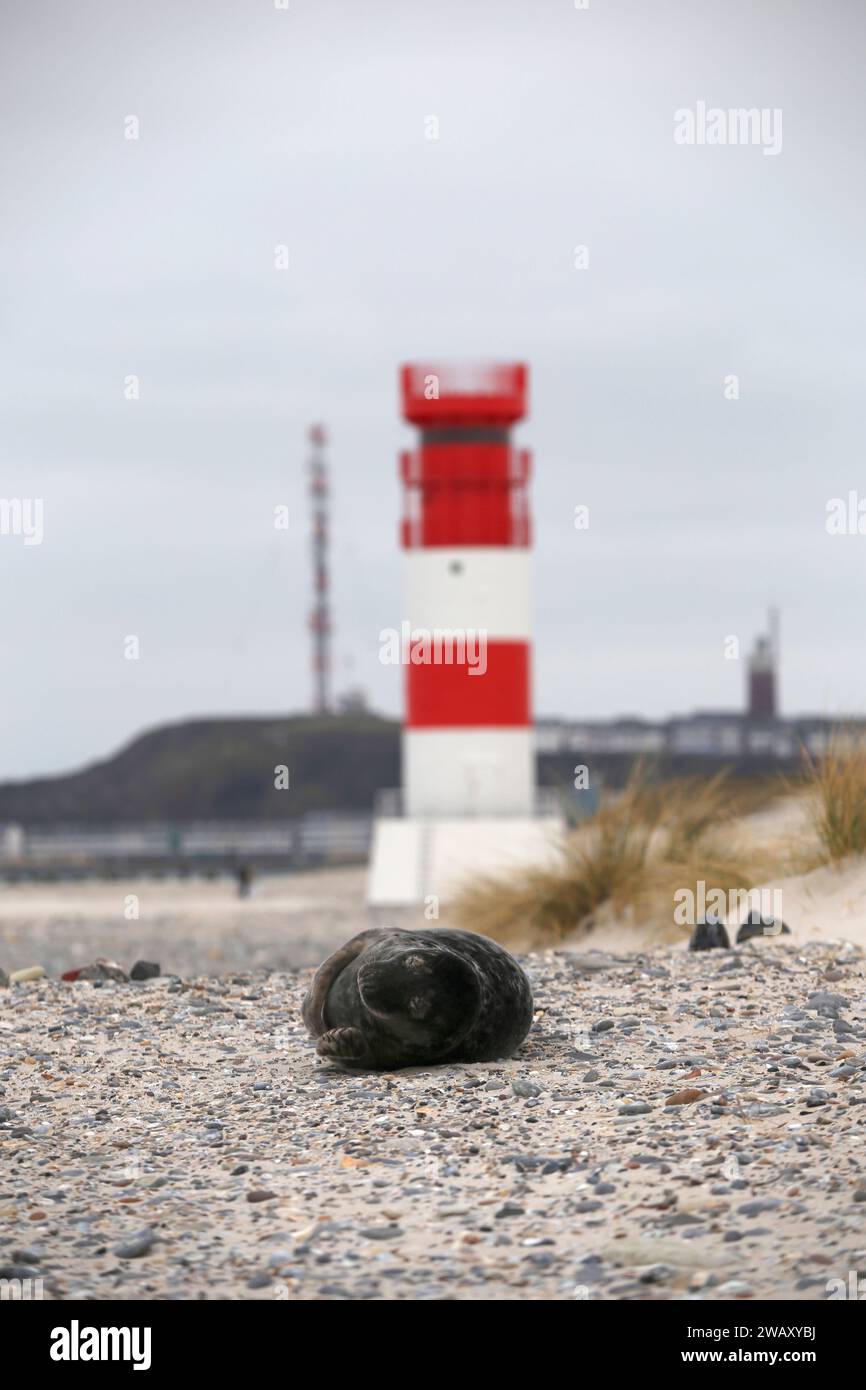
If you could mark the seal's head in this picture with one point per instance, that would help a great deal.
(428, 997)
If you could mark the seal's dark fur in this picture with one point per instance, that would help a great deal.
(393, 998)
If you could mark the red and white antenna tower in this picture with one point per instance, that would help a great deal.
(320, 617)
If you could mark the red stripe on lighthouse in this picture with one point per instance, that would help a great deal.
(451, 696)
(458, 494)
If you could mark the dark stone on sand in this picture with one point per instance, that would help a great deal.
(709, 935)
(137, 1247)
(557, 1165)
(102, 970)
(509, 1209)
(144, 970)
(823, 999)
(525, 1089)
(756, 925)
(760, 1204)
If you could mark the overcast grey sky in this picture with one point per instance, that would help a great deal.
(307, 127)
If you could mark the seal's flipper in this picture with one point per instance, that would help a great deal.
(313, 1007)
(346, 1045)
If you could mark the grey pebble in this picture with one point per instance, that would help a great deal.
(761, 1204)
(509, 1209)
(525, 1088)
(134, 1249)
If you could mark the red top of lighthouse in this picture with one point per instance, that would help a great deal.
(485, 393)
(465, 484)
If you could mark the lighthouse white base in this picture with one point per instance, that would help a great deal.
(414, 860)
(470, 772)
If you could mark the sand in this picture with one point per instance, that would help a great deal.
(188, 926)
(826, 904)
(295, 919)
(181, 1140)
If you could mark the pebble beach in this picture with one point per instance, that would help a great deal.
(676, 1126)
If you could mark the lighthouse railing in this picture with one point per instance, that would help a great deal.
(390, 804)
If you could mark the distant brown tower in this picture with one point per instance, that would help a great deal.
(762, 673)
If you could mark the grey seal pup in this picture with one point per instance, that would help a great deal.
(392, 998)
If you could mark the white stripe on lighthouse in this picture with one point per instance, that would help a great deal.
(484, 588)
(469, 772)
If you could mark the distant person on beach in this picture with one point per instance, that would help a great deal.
(245, 880)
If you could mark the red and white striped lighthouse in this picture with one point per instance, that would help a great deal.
(467, 743)
(469, 799)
